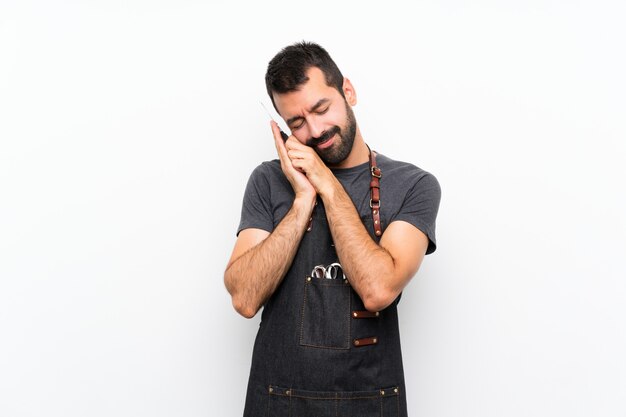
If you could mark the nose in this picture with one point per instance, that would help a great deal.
(316, 127)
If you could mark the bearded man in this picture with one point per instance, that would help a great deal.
(330, 234)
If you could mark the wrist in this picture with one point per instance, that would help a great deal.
(330, 188)
(303, 204)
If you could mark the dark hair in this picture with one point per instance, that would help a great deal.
(286, 72)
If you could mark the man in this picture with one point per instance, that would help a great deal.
(330, 234)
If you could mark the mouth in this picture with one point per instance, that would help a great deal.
(327, 143)
(325, 140)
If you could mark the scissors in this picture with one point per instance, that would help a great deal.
(282, 134)
(329, 272)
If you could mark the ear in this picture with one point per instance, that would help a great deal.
(349, 92)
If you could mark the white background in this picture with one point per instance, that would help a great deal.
(128, 130)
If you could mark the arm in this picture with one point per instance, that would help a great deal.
(260, 259)
(377, 272)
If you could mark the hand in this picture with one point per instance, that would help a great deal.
(306, 160)
(299, 182)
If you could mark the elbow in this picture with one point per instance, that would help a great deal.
(379, 300)
(247, 313)
(244, 309)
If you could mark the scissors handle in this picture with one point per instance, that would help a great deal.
(318, 271)
(332, 271)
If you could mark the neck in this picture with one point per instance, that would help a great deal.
(358, 155)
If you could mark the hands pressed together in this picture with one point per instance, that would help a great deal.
(302, 166)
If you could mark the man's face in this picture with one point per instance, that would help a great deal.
(320, 117)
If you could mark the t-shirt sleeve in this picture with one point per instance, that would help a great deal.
(256, 210)
(420, 207)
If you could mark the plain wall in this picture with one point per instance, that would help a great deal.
(128, 131)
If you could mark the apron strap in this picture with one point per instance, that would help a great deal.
(375, 192)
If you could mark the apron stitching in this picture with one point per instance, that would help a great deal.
(349, 318)
(398, 403)
(306, 397)
(309, 281)
(289, 403)
(302, 316)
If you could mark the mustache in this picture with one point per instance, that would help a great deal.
(324, 137)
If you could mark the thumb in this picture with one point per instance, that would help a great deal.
(279, 142)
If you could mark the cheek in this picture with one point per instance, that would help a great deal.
(338, 118)
(302, 135)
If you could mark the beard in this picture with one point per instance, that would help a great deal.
(339, 150)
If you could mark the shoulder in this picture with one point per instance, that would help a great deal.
(414, 195)
(268, 174)
(267, 169)
(405, 174)
(267, 183)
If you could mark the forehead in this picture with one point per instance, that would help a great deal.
(315, 89)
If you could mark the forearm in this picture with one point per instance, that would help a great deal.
(368, 266)
(254, 276)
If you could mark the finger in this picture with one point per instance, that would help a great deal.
(275, 130)
(293, 143)
(278, 141)
(283, 155)
(301, 151)
(297, 154)
(299, 165)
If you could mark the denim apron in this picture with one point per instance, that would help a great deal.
(318, 352)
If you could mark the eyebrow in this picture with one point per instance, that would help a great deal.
(317, 105)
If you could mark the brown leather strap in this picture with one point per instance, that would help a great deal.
(375, 192)
(376, 174)
(364, 314)
(310, 225)
(366, 341)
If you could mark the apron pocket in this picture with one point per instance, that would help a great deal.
(326, 314)
(288, 402)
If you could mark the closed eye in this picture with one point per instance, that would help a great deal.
(298, 123)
